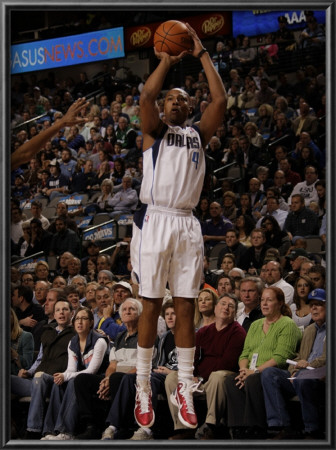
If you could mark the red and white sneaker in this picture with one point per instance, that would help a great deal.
(182, 397)
(143, 410)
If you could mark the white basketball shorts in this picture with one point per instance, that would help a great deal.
(167, 247)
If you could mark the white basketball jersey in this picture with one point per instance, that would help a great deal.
(174, 169)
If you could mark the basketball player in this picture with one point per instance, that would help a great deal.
(167, 243)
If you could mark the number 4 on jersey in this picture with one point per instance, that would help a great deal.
(195, 158)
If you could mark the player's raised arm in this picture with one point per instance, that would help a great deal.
(214, 114)
(151, 123)
(26, 151)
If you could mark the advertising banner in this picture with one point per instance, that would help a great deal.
(67, 51)
(206, 25)
(257, 22)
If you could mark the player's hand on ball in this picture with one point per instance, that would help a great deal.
(172, 59)
(198, 46)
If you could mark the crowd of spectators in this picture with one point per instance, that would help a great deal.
(259, 274)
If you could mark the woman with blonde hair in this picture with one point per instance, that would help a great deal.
(265, 119)
(22, 346)
(254, 137)
(205, 308)
(42, 271)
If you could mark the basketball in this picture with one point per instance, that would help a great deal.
(172, 37)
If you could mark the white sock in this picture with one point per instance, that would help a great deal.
(144, 363)
(185, 361)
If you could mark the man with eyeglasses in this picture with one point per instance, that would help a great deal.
(250, 290)
(41, 290)
(27, 280)
(218, 347)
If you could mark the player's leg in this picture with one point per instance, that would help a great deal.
(147, 332)
(185, 346)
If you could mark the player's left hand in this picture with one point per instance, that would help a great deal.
(198, 46)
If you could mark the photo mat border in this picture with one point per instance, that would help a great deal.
(201, 5)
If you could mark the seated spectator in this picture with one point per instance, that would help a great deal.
(36, 211)
(255, 254)
(37, 381)
(28, 312)
(64, 239)
(234, 246)
(272, 209)
(205, 307)
(38, 239)
(62, 209)
(292, 176)
(92, 408)
(301, 221)
(124, 201)
(243, 58)
(275, 236)
(296, 258)
(245, 225)
(281, 186)
(73, 268)
(102, 174)
(214, 229)
(264, 119)
(225, 285)
(59, 282)
(125, 133)
(22, 346)
(245, 206)
(255, 138)
(87, 353)
(71, 293)
(312, 41)
(20, 191)
(42, 271)
(311, 392)
(203, 209)
(67, 164)
(317, 274)
(307, 188)
(229, 205)
(268, 53)
(305, 122)
(118, 171)
(262, 349)
(90, 295)
(274, 278)
(101, 204)
(40, 293)
(219, 344)
(250, 290)
(262, 175)
(110, 320)
(300, 306)
(81, 181)
(57, 183)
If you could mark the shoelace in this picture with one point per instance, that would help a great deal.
(186, 391)
(143, 397)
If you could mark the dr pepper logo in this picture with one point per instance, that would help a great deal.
(213, 24)
(140, 37)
